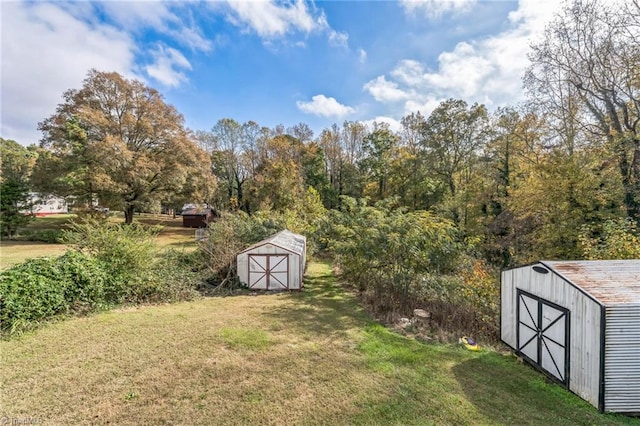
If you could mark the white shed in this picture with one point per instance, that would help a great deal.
(275, 263)
(579, 322)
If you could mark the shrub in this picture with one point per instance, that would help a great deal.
(109, 265)
(43, 288)
(387, 251)
(128, 251)
(464, 303)
(138, 272)
(400, 261)
(87, 280)
(28, 294)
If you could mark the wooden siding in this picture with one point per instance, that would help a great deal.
(622, 360)
(584, 345)
(196, 220)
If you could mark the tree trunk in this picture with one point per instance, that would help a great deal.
(128, 214)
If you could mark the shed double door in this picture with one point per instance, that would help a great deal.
(543, 335)
(269, 271)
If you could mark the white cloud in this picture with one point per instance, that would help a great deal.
(408, 72)
(385, 91)
(133, 15)
(423, 106)
(166, 65)
(338, 39)
(325, 107)
(435, 9)
(362, 55)
(394, 125)
(487, 70)
(269, 19)
(193, 38)
(46, 51)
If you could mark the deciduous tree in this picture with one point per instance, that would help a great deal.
(118, 140)
(586, 70)
(453, 136)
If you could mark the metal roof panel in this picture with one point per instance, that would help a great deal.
(612, 282)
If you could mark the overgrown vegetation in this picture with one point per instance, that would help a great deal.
(51, 236)
(233, 232)
(43, 288)
(400, 261)
(612, 239)
(109, 264)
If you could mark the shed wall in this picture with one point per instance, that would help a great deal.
(294, 276)
(584, 345)
(195, 221)
(622, 359)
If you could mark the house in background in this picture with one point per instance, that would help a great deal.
(44, 205)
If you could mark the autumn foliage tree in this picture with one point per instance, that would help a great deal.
(115, 140)
(585, 72)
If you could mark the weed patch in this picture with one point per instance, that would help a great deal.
(246, 338)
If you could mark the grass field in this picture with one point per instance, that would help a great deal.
(12, 252)
(311, 357)
(173, 235)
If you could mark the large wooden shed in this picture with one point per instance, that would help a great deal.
(579, 322)
(275, 263)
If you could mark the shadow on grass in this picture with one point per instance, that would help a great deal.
(322, 308)
(508, 392)
(62, 221)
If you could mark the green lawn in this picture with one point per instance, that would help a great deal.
(311, 357)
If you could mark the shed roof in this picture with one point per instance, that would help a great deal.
(612, 282)
(285, 239)
(196, 212)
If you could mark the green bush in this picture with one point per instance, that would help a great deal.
(138, 272)
(109, 265)
(128, 251)
(611, 239)
(43, 288)
(176, 277)
(88, 282)
(387, 251)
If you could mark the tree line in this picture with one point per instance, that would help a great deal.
(554, 177)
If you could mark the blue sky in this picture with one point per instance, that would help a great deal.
(274, 62)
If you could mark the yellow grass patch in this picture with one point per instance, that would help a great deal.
(14, 252)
